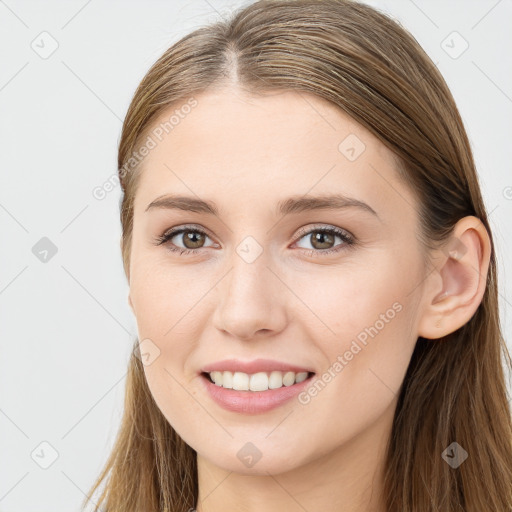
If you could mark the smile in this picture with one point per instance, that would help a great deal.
(262, 397)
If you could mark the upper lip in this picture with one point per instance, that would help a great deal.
(255, 366)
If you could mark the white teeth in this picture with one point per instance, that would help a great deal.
(288, 378)
(258, 381)
(261, 381)
(301, 376)
(275, 380)
(240, 381)
(227, 380)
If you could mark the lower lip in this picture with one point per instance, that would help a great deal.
(253, 402)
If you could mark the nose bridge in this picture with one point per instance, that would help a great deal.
(248, 297)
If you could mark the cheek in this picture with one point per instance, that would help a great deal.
(174, 397)
(167, 297)
(166, 311)
(365, 365)
(367, 317)
(348, 298)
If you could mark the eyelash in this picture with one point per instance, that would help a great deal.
(348, 240)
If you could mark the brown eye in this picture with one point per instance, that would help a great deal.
(184, 240)
(192, 239)
(321, 240)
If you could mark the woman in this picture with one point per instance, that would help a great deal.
(313, 277)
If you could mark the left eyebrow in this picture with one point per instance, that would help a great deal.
(295, 204)
(189, 204)
(299, 204)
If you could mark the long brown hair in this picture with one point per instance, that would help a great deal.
(373, 69)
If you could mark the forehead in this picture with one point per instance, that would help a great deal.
(242, 149)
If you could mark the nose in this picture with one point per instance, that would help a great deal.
(251, 300)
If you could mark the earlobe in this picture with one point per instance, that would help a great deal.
(463, 264)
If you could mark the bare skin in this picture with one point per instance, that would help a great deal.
(294, 302)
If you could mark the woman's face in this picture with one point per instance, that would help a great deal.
(267, 281)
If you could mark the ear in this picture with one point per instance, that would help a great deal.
(455, 289)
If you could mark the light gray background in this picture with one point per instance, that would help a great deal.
(66, 326)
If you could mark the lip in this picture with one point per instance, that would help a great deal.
(252, 402)
(255, 366)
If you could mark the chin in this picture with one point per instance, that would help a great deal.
(246, 459)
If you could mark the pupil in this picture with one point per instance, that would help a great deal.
(323, 238)
(192, 237)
